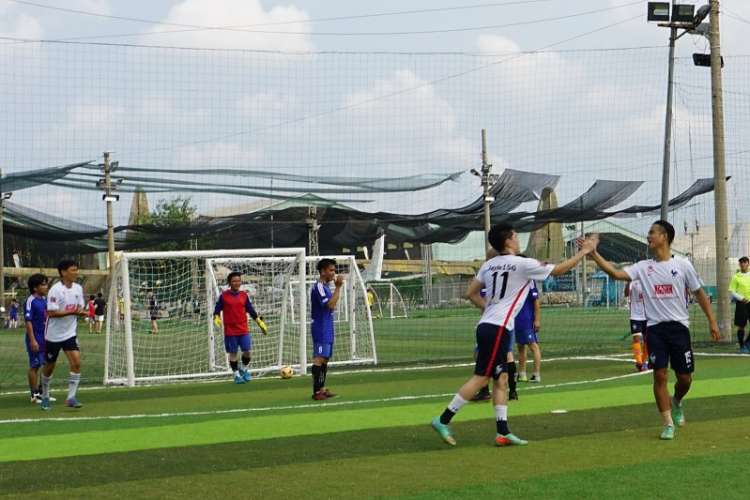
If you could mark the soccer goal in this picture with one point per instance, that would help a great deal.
(388, 300)
(176, 293)
(355, 337)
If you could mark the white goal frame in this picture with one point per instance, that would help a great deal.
(215, 367)
(346, 311)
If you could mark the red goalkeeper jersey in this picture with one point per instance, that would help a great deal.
(235, 307)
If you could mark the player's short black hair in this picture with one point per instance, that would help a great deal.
(66, 264)
(150, 290)
(744, 259)
(99, 295)
(91, 297)
(499, 234)
(232, 275)
(35, 280)
(325, 264)
(667, 228)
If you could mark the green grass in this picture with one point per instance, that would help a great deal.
(268, 439)
(427, 336)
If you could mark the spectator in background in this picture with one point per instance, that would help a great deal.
(100, 309)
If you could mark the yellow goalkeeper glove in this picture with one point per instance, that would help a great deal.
(217, 321)
(262, 325)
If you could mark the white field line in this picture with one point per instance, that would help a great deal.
(296, 407)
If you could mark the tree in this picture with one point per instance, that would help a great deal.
(171, 221)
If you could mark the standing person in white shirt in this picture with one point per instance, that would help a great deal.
(664, 279)
(64, 304)
(634, 293)
(507, 278)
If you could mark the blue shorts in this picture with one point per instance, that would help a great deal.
(638, 326)
(322, 350)
(52, 349)
(36, 359)
(14, 315)
(525, 337)
(492, 344)
(669, 343)
(232, 342)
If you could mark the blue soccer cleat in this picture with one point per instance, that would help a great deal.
(246, 376)
(239, 379)
(45, 404)
(443, 431)
(72, 403)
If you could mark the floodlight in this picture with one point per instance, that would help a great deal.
(658, 11)
(683, 13)
(112, 197)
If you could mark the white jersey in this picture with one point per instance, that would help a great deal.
(507, 279)
(62, 298)
(637, 307)
(664, 285)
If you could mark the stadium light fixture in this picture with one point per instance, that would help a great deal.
(6, 196)
(111, 197)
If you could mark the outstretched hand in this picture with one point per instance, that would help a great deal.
(589, 244)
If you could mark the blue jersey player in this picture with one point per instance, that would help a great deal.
(35, 318)
(323, 302)
(527, 326)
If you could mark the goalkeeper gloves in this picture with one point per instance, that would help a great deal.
(217, 321)
(262, 325)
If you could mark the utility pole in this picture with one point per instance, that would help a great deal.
(312, 231)
(720, 182)
(486, 169)
(106, 184)
(3, 197)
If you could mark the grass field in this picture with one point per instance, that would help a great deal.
(427, 336)
(267, 439)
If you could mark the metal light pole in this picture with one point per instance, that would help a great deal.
(682, 17)
(720, 183)
(668, 127)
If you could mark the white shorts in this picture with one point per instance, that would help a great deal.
(100, 319)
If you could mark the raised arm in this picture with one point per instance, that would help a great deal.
(587, 246)
(609, 269)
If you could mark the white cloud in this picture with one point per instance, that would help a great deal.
(267, 105)
(527, 76)
(23, 26)
(234, 13)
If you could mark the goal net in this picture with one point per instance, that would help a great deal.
(387, 300)
(164, 328)
(354, 334)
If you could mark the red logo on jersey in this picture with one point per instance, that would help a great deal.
(53, 299)
(663, 289)
(650, 269)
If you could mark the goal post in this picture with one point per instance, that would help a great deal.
(354, 333)
(186, 286)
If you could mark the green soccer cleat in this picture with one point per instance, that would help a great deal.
(509, 439)
(668, 432)
(523, 379)
(678, 416)
(443, 430)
